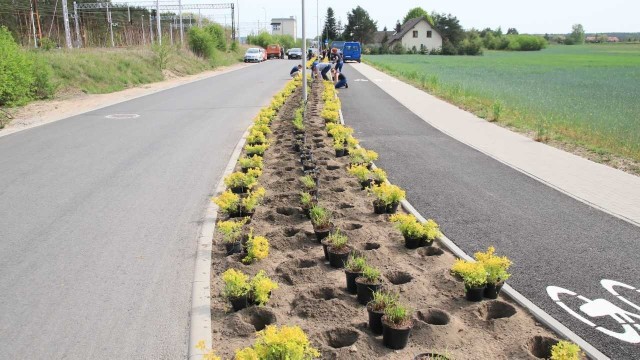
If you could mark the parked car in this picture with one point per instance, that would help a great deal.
(273, 51)
(352, 51)
(294, 53)
(253, 55)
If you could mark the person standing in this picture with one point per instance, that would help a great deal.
(339, 62)
(281, 52)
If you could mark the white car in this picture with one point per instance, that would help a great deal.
(253, 55)
(294, 53)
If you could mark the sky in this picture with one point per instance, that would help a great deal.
(539, 16)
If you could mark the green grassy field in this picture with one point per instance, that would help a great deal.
(587, 95)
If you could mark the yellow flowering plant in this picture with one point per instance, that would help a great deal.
(246, 354)
(254, 161)
(236, 284)
(228, 202)
(256, 137)
(378, 175)
(286, 342)
(207, 354)
(256, 149)
(261, 127)
(257, 249)
(362, 156)
(361, 172)
(255, 197)
(473, 273)
(243, 180)
(261, 287)
(496, 266)
(330, 115)
(566, 350)
(231, 230)
(388, 194)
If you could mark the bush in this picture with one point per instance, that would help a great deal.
(398, 49)
(470, 47)
(201, 42)
(43, 86)
(47, 44)
(526, 43)
(16, 71)
(217, 35)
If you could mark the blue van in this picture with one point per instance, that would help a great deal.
(352, 51)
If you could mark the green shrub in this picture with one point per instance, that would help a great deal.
(470, 47)
(526, 43)
(398, 49)
(47, 44)
(201, 42)
(217, 34)
(16, 75)
(43, 85)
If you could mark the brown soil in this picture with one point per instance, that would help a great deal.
(313, 295)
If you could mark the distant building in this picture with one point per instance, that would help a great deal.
(379, 38)
(613, 39)
(285, 26)
(419, 33)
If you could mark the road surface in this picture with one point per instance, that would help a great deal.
(553, 239)
(100, 217)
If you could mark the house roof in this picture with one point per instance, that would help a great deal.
(406, 27)
(379, 36)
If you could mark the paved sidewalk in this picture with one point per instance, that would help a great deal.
(600, 186)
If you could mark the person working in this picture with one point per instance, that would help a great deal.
(323, 69)
(339, 62)
(295, 71)
(314, 69)
(341, 80)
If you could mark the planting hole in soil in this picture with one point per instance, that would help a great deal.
(277, 174)
(371, 246)
(346, 206)
(338, 190)
(398, 277)
(290, 179)
(286, 211)
(430, 251)
(332, 178)
(318, 135)
(324, 293)
(289, 168)
(497, 310)
(259, 317)
(540, 346)
(333, 167)
(434, 316)
(290, 232)
(307, 263)
(352, 226)
(341, 337)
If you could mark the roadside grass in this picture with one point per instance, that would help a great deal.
(99, 70)
(582, 95)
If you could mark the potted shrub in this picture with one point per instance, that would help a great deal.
(388, 198)
(362, 156)
(256, 149)
(375, 309)
(326, 242)
(261, 287)
(396, 326)
(432, 232)
(236, 288)
(321, 221)
(261, 126)
(340, 147)
(362, 174)
(474, 277)
(367, 284)
(413, 232)
(338, 250)
(253, 162)
(353, 269)
(566, 350)
(496, 268)
(378, 176)
(240, 183)
(231, 235)
(256, 137)
(257, 249)
(286, 342)
(229, 203)
(251, 201)
(307, 202)
(309, 184)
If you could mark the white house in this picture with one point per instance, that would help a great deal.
(285, 26)
(419, 33)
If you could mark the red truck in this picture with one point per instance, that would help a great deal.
(274, 51)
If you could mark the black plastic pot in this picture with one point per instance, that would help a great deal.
(426, 242)
(493, 290)
(379, 207)
(239, 189)
(392, 208)
(341, 152)
(306, 166)
(375, 321)
(351, 281)
(322, 233)
(338, 259)
(365, 184)
(412, 243)
(244, 170)
(393, 338)
(239, 303)
(365, 291)
(233, 248)
(297, 145)
(242, 213)
(474, 294)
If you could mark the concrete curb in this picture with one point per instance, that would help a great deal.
(510, 292)
(229, 69)
(200, 319)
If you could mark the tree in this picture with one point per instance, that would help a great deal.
(512, 31)
(398, 26)
(577, 35)
(329, 32)
(360, 26)
(449, 27)
(417, 12)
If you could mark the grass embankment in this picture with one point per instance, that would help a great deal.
(584, 96)
(99, 71)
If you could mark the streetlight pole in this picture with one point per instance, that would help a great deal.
(304, 59)
(318, 25)
(265, 19)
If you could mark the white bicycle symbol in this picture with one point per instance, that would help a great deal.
(599, 308)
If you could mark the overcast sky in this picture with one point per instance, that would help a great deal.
(533, 16)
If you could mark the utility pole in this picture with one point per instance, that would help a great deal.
(150, 28)
(158, 20)
(318, 46)
(75, 15)
(35, 8)
(181, 28)
(171, 24)
(128, 14)
(304, 59)
(33, 25)
(65, 16)
(113, 44)
(233, 24)
(144, 40)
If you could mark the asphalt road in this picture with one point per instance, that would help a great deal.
(99, 219)
(478, 201)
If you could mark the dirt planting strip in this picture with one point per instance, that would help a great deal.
(313, 296)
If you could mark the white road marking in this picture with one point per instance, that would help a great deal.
(122, 116)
